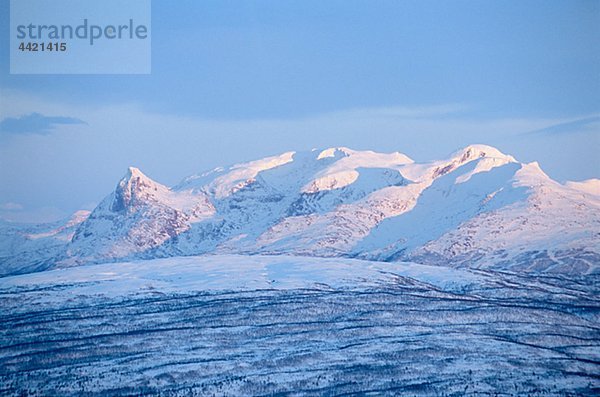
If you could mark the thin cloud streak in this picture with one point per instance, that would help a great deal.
(587, 124)
(35, 123)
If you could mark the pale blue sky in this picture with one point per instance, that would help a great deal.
(237, 80)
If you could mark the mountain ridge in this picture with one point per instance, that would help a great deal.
(477, 208)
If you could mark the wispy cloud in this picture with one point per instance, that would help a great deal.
(402, 112)
(570, 127)
(35, 123)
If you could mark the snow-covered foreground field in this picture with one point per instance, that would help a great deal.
(236, 325)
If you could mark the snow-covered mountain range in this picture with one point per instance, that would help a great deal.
(478, 208)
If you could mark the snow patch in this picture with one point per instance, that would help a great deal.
(236, 272)
(344, 172)
(590, 186)
(483, 165)
(240, 175)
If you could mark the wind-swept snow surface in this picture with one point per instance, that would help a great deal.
(237, 325)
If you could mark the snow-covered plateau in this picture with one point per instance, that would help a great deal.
(327, 272)
(284, 325)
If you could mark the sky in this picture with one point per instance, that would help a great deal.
(233, 81)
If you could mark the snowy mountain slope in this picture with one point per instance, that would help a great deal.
(340, 230)
(442, 207)
(286, 191)
(477, 208)
(28, 248)
(221, 183)
(139, 215)
(589, 187)
(554, 228)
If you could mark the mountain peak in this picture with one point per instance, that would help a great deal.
(134, 187)
(479, 208)
(134, 172)
(346, 168)
(340, 151)
(476, 151)
(135, 177)
(531, 174)
(490, 156)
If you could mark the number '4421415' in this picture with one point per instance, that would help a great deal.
(38, 47)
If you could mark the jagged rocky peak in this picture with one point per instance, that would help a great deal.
(135, 188)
